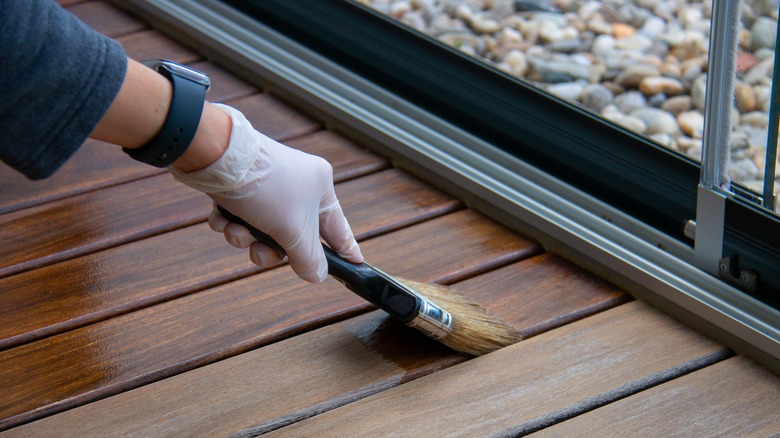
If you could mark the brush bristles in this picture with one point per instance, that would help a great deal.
(474, 330)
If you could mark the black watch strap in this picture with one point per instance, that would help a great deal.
(180, 124)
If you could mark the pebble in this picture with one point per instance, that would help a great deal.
(699, 91)
(763, 95)
(630, 101)
(610, 112)
(659, 84)
(567, 90)
(516, 62)
(622, 30)
(744, 98)
(657, 120)
(677, 104)
(756, 119)
(691, 123)
(596, 97)
(761, 73)
(764, 33)
(632, 76)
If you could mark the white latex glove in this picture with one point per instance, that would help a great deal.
(281, 191)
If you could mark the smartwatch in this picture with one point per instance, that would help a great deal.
(189, 96)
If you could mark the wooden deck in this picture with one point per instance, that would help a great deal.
(122, 314)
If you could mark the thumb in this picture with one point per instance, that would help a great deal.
(306, 256)
(336, 231)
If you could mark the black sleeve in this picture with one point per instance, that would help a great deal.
(58, 77)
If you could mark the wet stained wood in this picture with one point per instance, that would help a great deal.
(99, 285)
(732, 398)
(121, 353)
(317, 371)
(81, 224)
(94, 165)
(518, 384)
(97, 220)
(107, 18)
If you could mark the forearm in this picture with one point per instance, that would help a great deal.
(139, 111)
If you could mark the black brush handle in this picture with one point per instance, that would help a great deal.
(361, 278)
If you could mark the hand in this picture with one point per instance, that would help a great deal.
(281, 191)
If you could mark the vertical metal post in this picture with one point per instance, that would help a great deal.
(714, 181)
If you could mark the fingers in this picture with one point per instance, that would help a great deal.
(264, 256)
(217, 222)
(236, 235)
(240, 237)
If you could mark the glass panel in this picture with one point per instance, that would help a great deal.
(753, 143)
(641, 64)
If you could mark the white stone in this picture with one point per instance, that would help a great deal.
(658, 121)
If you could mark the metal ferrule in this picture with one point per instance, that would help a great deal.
(432, 320)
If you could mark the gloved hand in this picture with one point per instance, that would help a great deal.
(281, 191)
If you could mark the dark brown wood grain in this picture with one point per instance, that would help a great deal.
(93, 166)
(111, 356)
(318, 371)
(107, 18)
(543, 292)
(86, 223)
(97, 286)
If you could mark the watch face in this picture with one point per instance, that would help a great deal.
(179, 70)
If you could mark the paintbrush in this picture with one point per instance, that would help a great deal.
(434, 310)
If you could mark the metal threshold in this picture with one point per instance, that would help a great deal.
(566, 221)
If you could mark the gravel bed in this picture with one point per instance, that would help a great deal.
(641, 64)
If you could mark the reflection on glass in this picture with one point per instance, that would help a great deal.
(641, 64)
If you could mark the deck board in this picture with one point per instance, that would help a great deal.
(314, 372)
